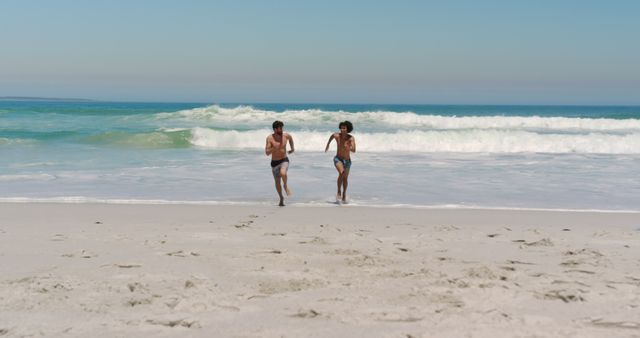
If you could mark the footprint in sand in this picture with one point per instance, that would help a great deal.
(275, 234)
(542, 242)
(137, 286)
(362, 261)
(566, 296)
(397, 317)
(81, 254)
(138, 301)
(581, 271)
(311, 313)
(315, 240)
(616, 324)
(445, 228)
(180, 322)
(586, 252)
(128, 266)
(511, 261)
(443, 259)
(345, 252)
(601, 234)
(181, 253)
(58, 237)
(482, 272)
(272, 287)
(584, 256)
(243, 224)
(572, 262)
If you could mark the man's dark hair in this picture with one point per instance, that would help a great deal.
(277, 124)
(346, 124)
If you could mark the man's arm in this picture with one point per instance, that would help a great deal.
(291, 144)
(353, 144)
(329, 142)
(268, 149)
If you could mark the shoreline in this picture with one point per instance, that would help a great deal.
(107, 270)
(322, 204)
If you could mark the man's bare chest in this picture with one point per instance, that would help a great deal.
(276, 142)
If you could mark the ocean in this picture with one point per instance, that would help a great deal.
(538, 157)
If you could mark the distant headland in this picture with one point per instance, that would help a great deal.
(35, 98)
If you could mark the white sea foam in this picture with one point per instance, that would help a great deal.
(11, 141)
(91, 200)
(230, 139)
(462, 141)
(249, 116)
(26, 177)
(245, 127)
(33, 164)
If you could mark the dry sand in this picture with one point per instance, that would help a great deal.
(179, 270)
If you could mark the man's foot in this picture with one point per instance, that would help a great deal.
(338, 197)
(281, 203)
(286, 189)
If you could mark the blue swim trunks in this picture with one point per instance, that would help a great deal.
(346, 163)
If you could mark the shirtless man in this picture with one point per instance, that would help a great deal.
(277, 148)
(346, 145)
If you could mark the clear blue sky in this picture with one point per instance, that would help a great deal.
(359, 51)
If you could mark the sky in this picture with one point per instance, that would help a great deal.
(323, 51)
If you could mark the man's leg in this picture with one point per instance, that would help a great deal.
(283, 174)
(345, 184)
(340, 169)
(279, 190)
(276, 179)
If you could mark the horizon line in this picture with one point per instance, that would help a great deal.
(44, 99)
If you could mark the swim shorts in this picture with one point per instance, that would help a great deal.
(346, 163)
(276, 166)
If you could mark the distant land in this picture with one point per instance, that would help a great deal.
(32, 98)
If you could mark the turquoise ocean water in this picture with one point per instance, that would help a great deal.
(552, 157)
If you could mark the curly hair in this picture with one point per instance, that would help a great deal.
(346, 124)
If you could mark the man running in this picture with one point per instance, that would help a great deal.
(346, 145)
(277, 148)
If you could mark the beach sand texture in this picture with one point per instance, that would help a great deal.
(105, 270)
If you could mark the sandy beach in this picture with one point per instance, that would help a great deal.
(107, 270)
